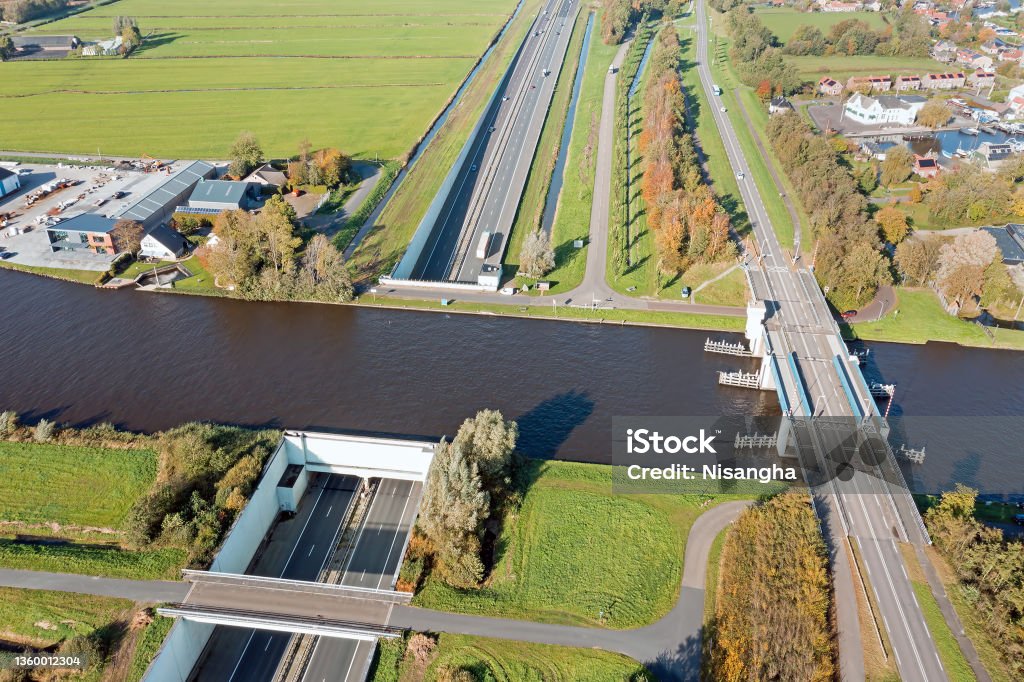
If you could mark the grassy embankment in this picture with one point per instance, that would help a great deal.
(918, 317)
(551, 570)
(531, 207)
(367, 81)
(499, 660)
(384, 245)
(78, 498)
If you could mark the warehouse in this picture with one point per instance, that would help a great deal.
(90, 231)
(214, 196)
(9, 182)
(158, 205)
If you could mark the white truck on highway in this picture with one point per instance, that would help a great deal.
(484, 245)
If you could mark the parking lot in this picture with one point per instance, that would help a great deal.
(23, 238)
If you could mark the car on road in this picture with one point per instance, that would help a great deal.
(505, 98)
(740, 176)
(848, 314)
(723, 110)
(472, 169)
(491, 129)
(508, 291)
(119, 194)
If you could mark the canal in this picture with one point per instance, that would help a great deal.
(148, 361)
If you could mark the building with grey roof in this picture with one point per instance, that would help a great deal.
(9, 182)
(214, 196)
(1010, 240)
(90, 231)
(159, 205)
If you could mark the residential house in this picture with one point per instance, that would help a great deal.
(837, 6)
(779, 105)
(992, 47)
(104, 48)
(872, 150)
(1012, 54)
(830, 87)
(943, 81)
(925, 166)
(1010, 240)
(88, 231)
(214, 196)
(1015, 100)
(976, 60)
(44, 47)
(164, 243)
(944, 51)
(158, 205)
(268, 176)
(883, 109)
(991, 155)
(869, 83)
(981, 78)
(10, 182)
(904, 83)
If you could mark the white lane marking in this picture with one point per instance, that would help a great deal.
(329, 510)
(405, 508)
(302, 532)
(242, 657)
(311, 551)
(268, 644)
(359, 536)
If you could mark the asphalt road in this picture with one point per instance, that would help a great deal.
(375, 561)
(251, 655)
(801, 323)
(486, 194)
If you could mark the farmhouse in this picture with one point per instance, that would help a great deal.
(90, 231)
(158, 206)
(163, 242)
(268, 176)
(883, 109)
(214, 196)
(9, 182)
(779, 105)
(830, 87)
(44, 47)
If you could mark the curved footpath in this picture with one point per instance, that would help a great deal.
(670, 648)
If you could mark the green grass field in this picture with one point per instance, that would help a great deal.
(149, 643)
(499, 660)
(89, 559)
(842, 67)
(367, 79)
(41, 618)
(82, 486)
(551, 569)
(918, 317)
(784, 21)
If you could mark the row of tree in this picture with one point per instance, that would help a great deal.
(18, 11)
(990, 569)
(849, 260)
(772, 610)
(618, 16)
(756, 53)
(468, 486)
(328, 167)
(259, 257)
(907, 36)
(688, 224)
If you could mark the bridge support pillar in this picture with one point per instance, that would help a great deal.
(757, 311)
(785, 433)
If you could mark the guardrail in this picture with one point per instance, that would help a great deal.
(285, 584)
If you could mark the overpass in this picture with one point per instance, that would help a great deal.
(833, 422)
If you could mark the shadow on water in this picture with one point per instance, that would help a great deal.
(544, 429)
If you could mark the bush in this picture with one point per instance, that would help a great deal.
(148, 512)
(8, 423)
(43, 431)
(188, 224)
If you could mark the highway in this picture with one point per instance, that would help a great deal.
(375, 561)
(488, 187)
(298, 550)
(800, 325)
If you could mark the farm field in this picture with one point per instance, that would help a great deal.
(841, 66)
(550, 569)
(71, 485)
(783, 22)
(367, 79)
(42, 618)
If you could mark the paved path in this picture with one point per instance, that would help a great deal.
(330, 223)
(881, 304)
(138, 590)
(670, 648)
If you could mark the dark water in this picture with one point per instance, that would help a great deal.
(147, 361)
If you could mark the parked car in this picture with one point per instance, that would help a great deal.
(849, 314)
(508, 291)
(685, 292)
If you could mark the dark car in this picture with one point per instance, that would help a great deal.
(849, 314)
(685, 292)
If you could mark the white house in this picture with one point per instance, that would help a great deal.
(1015, 98)
(883, 109)
(9, 182)
(164, 243)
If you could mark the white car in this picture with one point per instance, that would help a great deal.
(722, 110)
(740, 176)
(508, 291)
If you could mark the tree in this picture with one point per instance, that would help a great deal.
(962, 265)
(275, 228)
(897, 166)
(537, 256)
(131, 38)
(915, 195)
(323, 275)
(997, 285)
(916, 260)
(127, 236)
(893, 224)
(455, 507)
(867, 178)
(246, 155)
(6, 48)
(489, 441)
(934, 114)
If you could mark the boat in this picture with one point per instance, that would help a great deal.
(970, 131)
(987, 130)
(948, 155)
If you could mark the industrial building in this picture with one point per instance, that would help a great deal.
(90, 231)
(159, 204)
(214, 196)
(9, 182)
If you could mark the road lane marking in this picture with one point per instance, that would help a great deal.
(311, 551)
